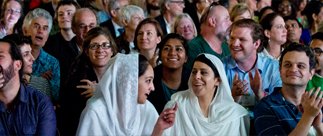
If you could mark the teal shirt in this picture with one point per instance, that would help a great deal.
(198, 45)
(167, 91)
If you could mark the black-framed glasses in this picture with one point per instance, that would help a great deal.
(211, 6)
(178, 2)
(206, 1)
(96, 46)
(317, 51)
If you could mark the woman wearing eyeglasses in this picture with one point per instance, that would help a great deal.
(11, 18)
(85, 72)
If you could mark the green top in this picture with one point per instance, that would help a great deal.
(167, 91)
(198, 45)
(317, 81)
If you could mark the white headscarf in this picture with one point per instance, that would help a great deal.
(225, 117)
(114, 108)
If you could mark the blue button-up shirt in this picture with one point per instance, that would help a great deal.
(33, 114)
(268, 69)
(46, 62)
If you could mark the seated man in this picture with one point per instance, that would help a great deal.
(23, 110)
(294, 30)
(317, 46)
(245, 38)
(291, 110)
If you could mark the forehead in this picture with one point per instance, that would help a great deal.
(317, 43)
(241, 32)
(40, 20)
(147, 27)
(4, 47)
(285, 2)
(173, 41)
(100, 38)
(13, 4)
(85, 16)
(220, 11)
(296, 57)
(291, 22)
(278, 20)
(137, 13)
(66, 7)
(185, 20)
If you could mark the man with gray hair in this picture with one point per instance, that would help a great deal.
(170, 9)
(114, 24)
(37, 24)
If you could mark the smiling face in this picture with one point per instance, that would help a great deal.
(173, 54)
(145, 85)
(65, 15)
(245, 15)
(12, 12)
(295, 69)
(185, 28)
(135, 19)
(147, 37)
(100, 56)
(285, 8)
(28, 58)
(38, 30)
(278, 32)
(202, 80)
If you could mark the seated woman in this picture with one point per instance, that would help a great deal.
(11, 17)
(85, 72)
(241, 11)
(184, 26)
(171, 76)
(207, 107)
(39, 83)
(119, 106)
(130, 17)
(147, 37)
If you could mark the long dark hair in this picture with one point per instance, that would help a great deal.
(267, 23)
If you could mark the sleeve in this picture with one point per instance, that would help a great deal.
(55, 81)
(193, 51)
(266, 122)
(90, 124)
(275, 80)
(46, 118)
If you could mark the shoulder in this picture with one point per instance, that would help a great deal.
(268, 63)
(36, 96)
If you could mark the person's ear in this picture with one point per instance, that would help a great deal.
(312, 72)
(256, 44)
(24, 31)
(87, 52)
(217, 81)
(74, 29)
(212, 21)
(17, 65)
(167, 6)
(114, 13)
(158, 39)
(267, 33)
(125, 22)
(314, 17)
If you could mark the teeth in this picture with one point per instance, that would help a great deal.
(237, 49)
(198, 84)
(172, 59)
(100, 57)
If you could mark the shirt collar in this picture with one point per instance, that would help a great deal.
(276, 96)
(42, 56)
(115, 25)
(233, 65)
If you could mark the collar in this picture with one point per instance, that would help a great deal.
(231, 63)
(115, 25)
(21, 95)
(42, 56)
(276, 96)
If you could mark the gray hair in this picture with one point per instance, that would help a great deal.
(178, 20)
(86, 9)
(36, 13)
(162, 4)
(126, 12)
(113, 5)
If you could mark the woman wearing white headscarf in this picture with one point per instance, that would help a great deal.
(207, 107)
(118, 105)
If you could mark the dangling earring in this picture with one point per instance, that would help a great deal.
(268, 40)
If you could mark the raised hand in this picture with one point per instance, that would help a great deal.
(256, 84)
(312, 104)
(239, 88)
(166, 119)
(90, 88)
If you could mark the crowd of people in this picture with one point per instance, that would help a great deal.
(161, 67)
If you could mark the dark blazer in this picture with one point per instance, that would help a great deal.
(122, 44)
(196, 20)
(109, 25)
(162, 23)
(157, 97)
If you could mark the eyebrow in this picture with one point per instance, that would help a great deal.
(150, 77)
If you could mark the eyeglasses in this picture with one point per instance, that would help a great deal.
(178, 2)
(96, 46)
(287, 6)
(317, 51)
(12, 11)
(211, 6)
(206, 1)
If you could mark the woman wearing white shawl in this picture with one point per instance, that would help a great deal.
(221, 115)
(119, 106)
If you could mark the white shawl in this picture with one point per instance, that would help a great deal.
(225, 117)
(113, 109)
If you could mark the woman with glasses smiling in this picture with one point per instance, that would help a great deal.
(85, 72)
(11, 18)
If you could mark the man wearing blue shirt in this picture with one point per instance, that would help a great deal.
(23, 110)
(290, 110)
(251, 77)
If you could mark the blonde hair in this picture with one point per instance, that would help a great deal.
(239, 9)
(178, 20)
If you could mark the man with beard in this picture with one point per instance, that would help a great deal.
(153, 9)
(291, 110)
(214, 24)
(294, 30)
(250, 76)
(23, 110)
(317, 47)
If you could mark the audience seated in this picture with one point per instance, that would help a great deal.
(130, 17)
(240, 11)
(250, 76)
(286, 8)
(207, 107)
(294, 30)
(275, 35)
(199, 6)
(171, 76)
(214, 24)
(120, 99)
(317, 47)
(37, 24)
(11, 18)
(169, 10)
(24, 110)
(147, 37)
(39, 83)
(184, 26)
(86, 71)
(153, 8)
(114, 24)
(291, 110)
